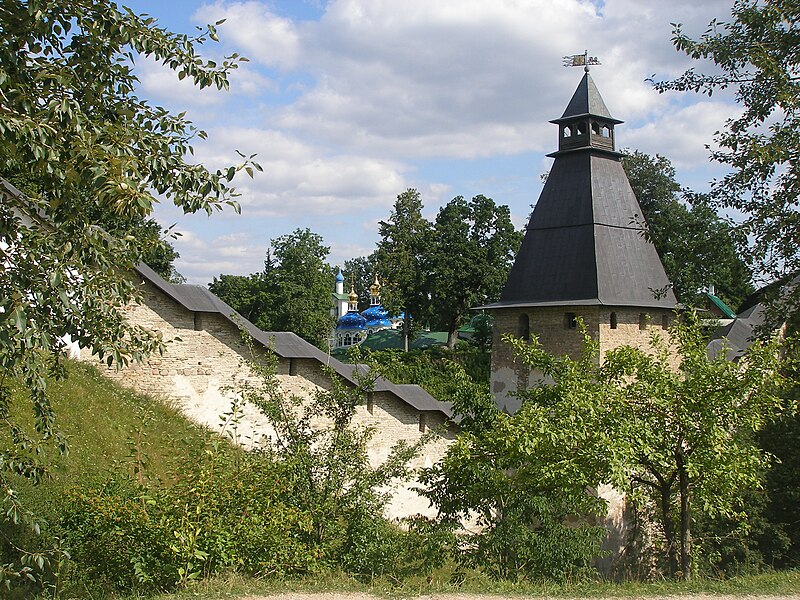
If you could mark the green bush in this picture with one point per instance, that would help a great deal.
(116, 538)
(220, 517)
(532, 541)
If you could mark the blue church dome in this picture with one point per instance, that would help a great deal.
(339, 276)
(351, 320)
(376, 317)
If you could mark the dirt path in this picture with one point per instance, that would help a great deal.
(359, 596)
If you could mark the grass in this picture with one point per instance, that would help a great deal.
(111, 430)
(770, 584)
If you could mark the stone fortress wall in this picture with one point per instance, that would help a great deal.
(205, 362)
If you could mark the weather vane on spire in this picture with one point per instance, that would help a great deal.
(581, 60)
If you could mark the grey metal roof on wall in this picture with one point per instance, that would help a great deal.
(736, 337)
(286, 344)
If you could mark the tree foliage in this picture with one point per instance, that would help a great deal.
(327, 468)
(755, 54)
(401, 255)
(303, 282)
(696, 246)
(525, 476)
(249, 295)
(70, 119)
(435, 272)
(152, 244)
(293, 293)
(474, 245)
(360, 272)
(675, 439)
(683, 438)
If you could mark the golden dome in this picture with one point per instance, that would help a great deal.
(353, 297)
(375, 288)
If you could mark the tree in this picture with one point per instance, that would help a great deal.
(474, 245)
(303, 282)
(696, 247)
(293, 293)
(248, 295)
(676, 440)
(327, 472)
(756, 55)
(70, 118)
(525, 476)
(152, 246)
(683, 438)
(401, 255)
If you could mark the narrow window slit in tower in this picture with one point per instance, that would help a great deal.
(570, 320)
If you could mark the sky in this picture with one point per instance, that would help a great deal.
(348, 103)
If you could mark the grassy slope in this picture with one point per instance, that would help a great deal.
(441, 587)
(110, 430)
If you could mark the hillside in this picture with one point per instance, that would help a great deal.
(111, 431)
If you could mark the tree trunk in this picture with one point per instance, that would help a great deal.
(686, 536)
(407, 332)
(452, 333)
(669, 530)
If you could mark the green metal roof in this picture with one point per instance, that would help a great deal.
(726, 310)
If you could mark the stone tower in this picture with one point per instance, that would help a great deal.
(584, 254)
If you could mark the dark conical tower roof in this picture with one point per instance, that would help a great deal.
(586, 101)
(585, 242)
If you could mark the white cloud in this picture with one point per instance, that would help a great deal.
(202, 258)
(341, 252)
(681, 134)
(344, 111)
(301, 178)
(161, 83)
(457, 78)
(262, 35)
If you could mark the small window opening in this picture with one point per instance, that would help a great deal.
(606, 131)
(644, 319)
(566, 132)
(581, 128)
(524, 327)
(613, 320)
(570, 320)
(595, 129)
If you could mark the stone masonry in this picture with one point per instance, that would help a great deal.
(555, 328)
(205, 362)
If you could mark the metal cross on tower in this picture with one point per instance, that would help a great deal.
(581, 60)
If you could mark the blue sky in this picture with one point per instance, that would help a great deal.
(349, 102)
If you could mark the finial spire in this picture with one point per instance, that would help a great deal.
(581, 60)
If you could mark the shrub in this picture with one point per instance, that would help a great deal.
(125, 537)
